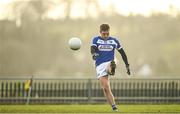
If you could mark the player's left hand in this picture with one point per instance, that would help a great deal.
(128, 69)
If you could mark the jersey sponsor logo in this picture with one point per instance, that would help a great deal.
(105, 47)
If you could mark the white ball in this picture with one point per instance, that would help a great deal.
(75, 43)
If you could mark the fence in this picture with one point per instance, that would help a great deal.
(58, 91)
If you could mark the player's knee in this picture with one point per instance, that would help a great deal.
(105, 87)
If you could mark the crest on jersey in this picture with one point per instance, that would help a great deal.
(111, 42)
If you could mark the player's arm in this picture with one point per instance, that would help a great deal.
(123, 55)
(94, 52)
(125, 59)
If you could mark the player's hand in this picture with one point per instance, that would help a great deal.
(128, 69)
(95, 55)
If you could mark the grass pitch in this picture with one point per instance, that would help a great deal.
(89, 109)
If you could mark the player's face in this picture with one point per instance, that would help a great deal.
(104, 34)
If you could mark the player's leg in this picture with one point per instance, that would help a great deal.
(107, 91)
(105, 86)
(102, 75)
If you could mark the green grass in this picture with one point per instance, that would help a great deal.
(88, 108)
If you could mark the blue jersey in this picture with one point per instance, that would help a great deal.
(106, 48)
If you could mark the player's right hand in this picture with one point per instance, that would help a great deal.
(95, 55)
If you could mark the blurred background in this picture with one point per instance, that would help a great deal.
(34, 36)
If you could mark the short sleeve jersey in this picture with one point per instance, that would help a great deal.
(105, 48)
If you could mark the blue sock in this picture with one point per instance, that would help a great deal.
(114, 106)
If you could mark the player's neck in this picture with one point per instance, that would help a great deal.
(104, 38)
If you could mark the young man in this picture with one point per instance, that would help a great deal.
(102, 50)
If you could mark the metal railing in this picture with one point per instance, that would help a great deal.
(58, 91)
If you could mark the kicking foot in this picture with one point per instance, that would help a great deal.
(113, 67)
